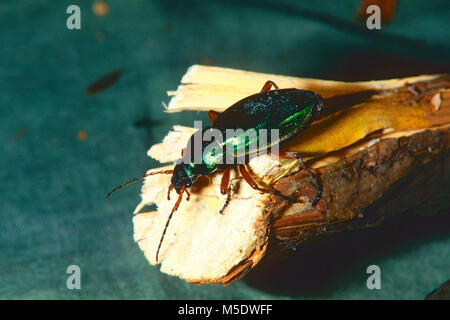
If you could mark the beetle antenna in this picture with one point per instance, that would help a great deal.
(177, 204)
(137, 179)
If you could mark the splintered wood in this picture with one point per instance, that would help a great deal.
(361, 152)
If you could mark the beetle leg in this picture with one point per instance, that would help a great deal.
(296, 155)
(268, 85)
(225, 187)
(255, 186)
(168, 191)
(225, 180)
(250, 180)
(137, 179)
(225, 204)
(212, 116)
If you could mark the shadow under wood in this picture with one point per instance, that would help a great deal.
(318, 267)
(418, 211)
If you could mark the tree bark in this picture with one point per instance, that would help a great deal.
(379, 149)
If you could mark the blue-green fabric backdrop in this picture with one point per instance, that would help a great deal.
(52, 208)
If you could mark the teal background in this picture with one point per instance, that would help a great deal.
(52, 208)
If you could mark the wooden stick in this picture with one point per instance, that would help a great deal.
(376, 157)
(212, 88)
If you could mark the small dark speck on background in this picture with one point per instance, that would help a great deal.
(146, 122)
(207, 62)
(100, 36)
(82, 135)
(19, 134)
(100, 8)
(103, 83)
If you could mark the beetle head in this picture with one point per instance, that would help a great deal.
(182, 176)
